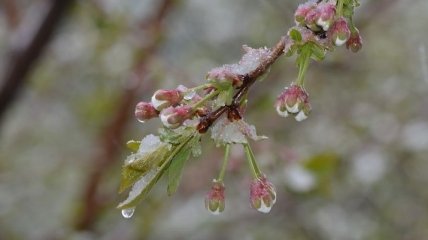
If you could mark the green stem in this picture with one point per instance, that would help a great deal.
(199, 87)
(224, 165)
(206, 98)
(252, 161)
(339, 10)
(305, 55)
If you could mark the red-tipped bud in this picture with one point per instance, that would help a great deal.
(339, 33)
(293, 100)
(355, 42)
(173, 117)
(302, 11)
(327, 12)
(214, 200)
(145, 111)
(164, 98)
(262, 194)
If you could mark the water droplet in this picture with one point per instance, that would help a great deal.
(189, 95)
(127, 213)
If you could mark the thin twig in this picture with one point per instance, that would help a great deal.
(248, 80)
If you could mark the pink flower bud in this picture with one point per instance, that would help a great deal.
(214, 200)
(311, 19)
(293, 100)
(327, 12)
(173, 117)
(164, 98)
(145, 111)
(262, 194)
(302, 11)
(339, 33)
(355, 42)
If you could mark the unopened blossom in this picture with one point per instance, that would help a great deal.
(302, 11)
(145, 111)
(311, 19)
(293, 100)
(327, 12)
(214, 200)
(355, 42)
(339, 33)
(262, 194)
(164, 98)
(173, 117)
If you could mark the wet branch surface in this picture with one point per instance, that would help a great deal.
(248, 81)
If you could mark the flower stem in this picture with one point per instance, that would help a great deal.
(252, 161)
(303, 61)
(206, 98)
(199, 87)
(224, 164)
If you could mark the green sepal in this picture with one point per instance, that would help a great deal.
(295, 35)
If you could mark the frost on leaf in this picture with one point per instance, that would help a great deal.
(148, 145)
(225, 131)
(155, 156)
(249, 62)
(139, 186)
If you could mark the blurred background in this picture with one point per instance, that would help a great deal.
(71, 72)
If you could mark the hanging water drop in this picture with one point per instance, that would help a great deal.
(127, 213)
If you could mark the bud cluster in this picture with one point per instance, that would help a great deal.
(322, 19)
(173, 106)
(293, 100)
(315, 16)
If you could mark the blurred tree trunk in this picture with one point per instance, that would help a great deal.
(24, 54)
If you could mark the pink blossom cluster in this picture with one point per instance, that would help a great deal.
(171, 106)
(322, 19)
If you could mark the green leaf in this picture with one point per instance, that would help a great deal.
(295, 35)
(133, 145)
(175, 169)
(142, 178)
(140, 165)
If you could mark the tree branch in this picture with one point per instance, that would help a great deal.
(23, 58)
(248, 81)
